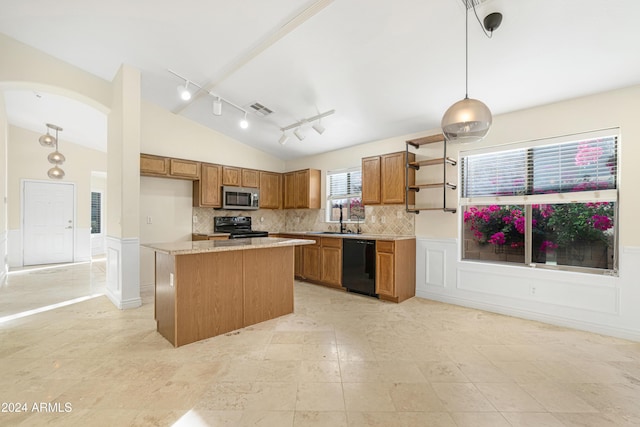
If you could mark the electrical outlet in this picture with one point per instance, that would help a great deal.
(399, 214)
(373, 219)
(383, 219)
(171, 279)
(149, 220)
(532, 290)
(195, 219)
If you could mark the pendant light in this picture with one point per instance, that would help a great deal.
(56, 157)
(467, 120)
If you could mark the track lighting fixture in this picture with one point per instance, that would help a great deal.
(217, 106)
(184, 92)
(299, 134)
(56, 158)
(283, 139)
(244, 123)
(318, 127)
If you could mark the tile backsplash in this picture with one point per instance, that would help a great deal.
(378, 220)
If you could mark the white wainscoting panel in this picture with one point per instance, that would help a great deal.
(593, 302)
(82, 248)
(123, 272)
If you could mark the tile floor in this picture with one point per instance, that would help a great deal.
(340, 360)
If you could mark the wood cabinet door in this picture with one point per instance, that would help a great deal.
(289, 190)
(298, 261)
(385, 268)
(250, 178)
(371, 180)
(188, 169)
(392, 175)
(153, 165)
(311, 262)
(331, 262)
(207, 191)
(231, 176)
(301, 189)
(270, 190)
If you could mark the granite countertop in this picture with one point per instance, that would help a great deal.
(202, 246)
(212, 234)
(349, 235)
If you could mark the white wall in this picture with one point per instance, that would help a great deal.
(165, 216)
(28, 160)
(591, 302)
(4, 130)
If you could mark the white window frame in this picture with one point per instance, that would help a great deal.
(608, 195)
(341, 196)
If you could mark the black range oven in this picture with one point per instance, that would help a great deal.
(238, 227)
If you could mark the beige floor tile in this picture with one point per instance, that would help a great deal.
(319, 352)
(279, 371)
(202, 418)
(462, 397)
(442, 372)
(532, 419)
(366, 397)
(266, 419)
(284, 352)
(359, 371)
(597, 420)
(480, 419)
(400, 419)
(509, 397)
(522, 372)
(319, 371)
(320, 419)
(319, 397)
(483, 372)
(555, 398)
(394, 372)
(415, 397)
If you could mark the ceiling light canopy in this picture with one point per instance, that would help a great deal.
(469, 120)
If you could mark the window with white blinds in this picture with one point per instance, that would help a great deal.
(582, 165)
(344, 195)
(344, 184)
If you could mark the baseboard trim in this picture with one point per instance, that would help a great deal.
(628, 334)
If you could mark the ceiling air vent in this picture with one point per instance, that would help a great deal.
(260, 109)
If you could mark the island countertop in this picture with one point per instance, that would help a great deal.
(367, 236)
(203, 246)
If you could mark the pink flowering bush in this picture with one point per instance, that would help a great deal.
(497, 225)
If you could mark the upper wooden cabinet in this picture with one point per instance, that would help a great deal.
(270, 190)
(187, 169)
(302, 189)
(151, 165)
(207, 191)
(238, 177)
(384, 179)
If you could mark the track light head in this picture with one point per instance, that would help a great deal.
(244, 124)
(319, 127)
(299, 134)
(184, 92)
(283, 139)
(217, 106)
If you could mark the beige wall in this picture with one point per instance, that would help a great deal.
(617, 108)
(4, 135)
(168, 134)
(28, 160)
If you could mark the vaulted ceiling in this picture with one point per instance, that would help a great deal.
(387, 68)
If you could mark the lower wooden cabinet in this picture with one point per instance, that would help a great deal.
(311, 261)
(396, 269)
(331, 261)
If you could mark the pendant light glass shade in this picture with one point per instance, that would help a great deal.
(47, 140)
(57, 158)
(55, 173)
(467, 120)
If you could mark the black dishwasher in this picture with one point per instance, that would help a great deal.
(359, 266)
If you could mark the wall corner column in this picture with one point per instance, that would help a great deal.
(123, 190)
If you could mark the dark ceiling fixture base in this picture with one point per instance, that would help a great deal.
(492, 21)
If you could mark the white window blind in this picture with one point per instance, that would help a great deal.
(96, 212)
(344, 184)
(575, 166)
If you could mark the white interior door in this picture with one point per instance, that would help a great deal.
(48, 226)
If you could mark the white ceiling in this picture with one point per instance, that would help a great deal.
(387, 67)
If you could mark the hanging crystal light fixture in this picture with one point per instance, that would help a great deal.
(467, 120)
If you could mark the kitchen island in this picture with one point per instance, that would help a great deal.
(211, 287)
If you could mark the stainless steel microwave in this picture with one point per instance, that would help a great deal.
(240, 198)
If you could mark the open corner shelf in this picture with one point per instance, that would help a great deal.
(443, 161)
